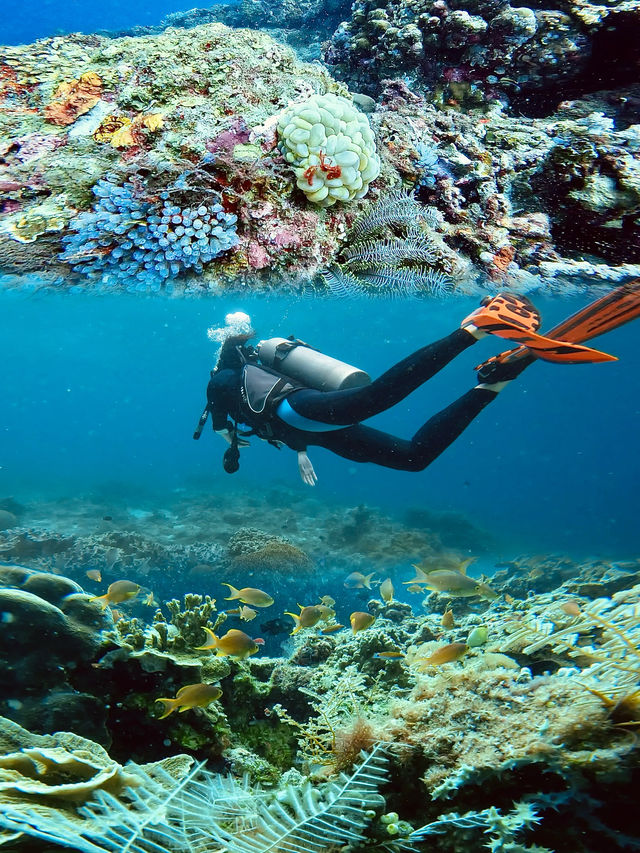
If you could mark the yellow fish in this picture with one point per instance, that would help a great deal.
(191, 696)
(327, 601)
(244, 612)
(386, 591)
(234, 643)
(360, 620)
(445, 654)
(249, 595)
(309, 616)
(247, 613)
(415, 588)
(447, 620)
(356, 580)
(388, 655)
(453, 582)
(94, 575)
(117, 592)
(331, 629)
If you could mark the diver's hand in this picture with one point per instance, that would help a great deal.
(306, 469)
(228, 436)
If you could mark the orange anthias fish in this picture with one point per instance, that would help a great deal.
(388, 655)
(234, 643)
(117, 592)
(360, 620)
(445, 654)
(356, 580)
(310, 616)
(191, 696)
(94, 575)
(249, 595)
(386, 591)
(327, 601)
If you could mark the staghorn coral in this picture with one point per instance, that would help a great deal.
(184, 631)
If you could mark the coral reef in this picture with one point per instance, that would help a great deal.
(481, 50)
(511, 196)
(162, 115)
(48, 612)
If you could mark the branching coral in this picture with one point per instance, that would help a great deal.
(603, 637)
(184, 631)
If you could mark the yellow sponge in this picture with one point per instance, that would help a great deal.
(331, 147)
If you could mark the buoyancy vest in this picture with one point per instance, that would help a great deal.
(261, 390)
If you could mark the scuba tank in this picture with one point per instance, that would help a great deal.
(314, 369)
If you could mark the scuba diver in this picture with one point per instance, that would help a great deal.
(290, 394)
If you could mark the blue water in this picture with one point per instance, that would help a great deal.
(41, 18)
(106, 390)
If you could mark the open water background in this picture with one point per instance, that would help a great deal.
(104, 391)
(33, 19)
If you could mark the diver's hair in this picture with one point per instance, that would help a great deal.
(230, 358)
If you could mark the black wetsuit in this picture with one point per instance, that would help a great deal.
(350, 406)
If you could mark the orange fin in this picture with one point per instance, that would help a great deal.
(551, 349)
(614, 309)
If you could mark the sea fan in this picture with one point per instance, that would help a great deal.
(203, 810)
(311, 820)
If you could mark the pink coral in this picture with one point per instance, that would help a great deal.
(257, 256)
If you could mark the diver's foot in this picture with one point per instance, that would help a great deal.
(503, 367)
(505, 315)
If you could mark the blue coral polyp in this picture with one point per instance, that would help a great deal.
(136, 241)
